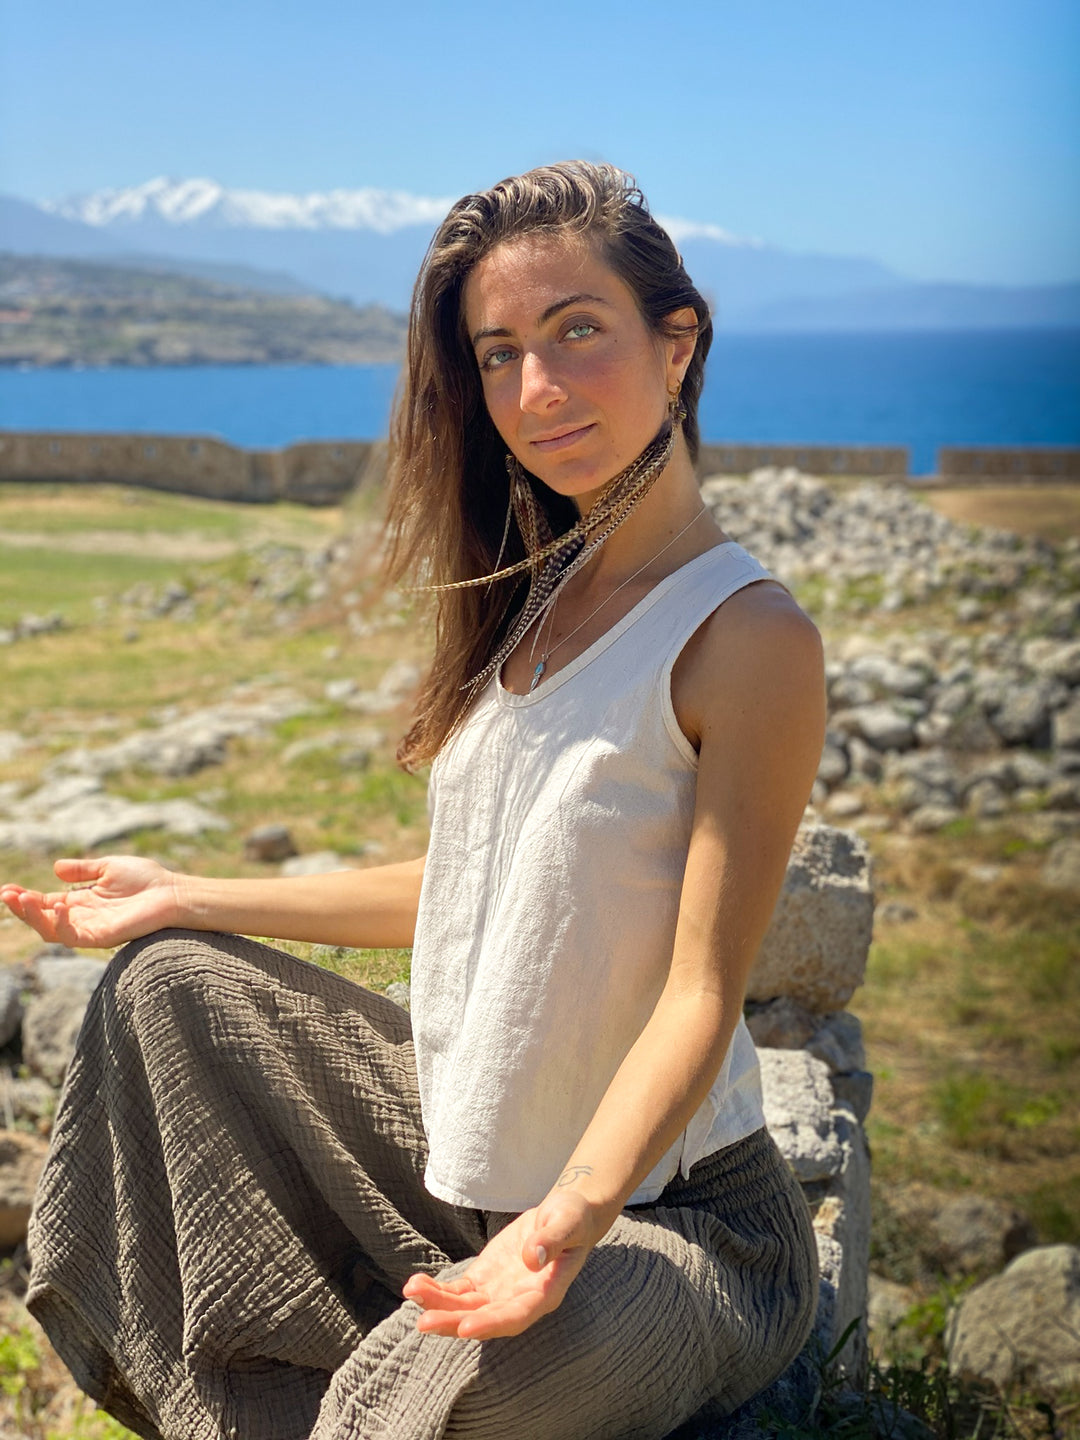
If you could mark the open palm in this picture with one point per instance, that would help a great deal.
(120, 897)
(506, 1288)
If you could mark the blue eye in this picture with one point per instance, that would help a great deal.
(495, 359)
(582, 325)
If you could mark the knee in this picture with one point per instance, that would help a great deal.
(172, 958)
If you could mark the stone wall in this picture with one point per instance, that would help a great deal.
(311, 473)
(861, 460)
(324, 472)
(1047, 464)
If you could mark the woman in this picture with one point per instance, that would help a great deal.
(568, 1181)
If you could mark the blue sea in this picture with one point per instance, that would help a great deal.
(921, 390)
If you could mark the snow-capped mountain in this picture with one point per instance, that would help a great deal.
(205, 202)
(366, 245)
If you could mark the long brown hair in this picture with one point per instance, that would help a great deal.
(448, 485)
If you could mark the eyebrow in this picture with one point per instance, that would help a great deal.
(551, 310)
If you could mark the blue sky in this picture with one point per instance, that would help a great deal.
(939, 136)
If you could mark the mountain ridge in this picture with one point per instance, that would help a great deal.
(365, 246)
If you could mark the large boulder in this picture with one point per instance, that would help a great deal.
(50, 1029)
(10, 1006)
(816, 946)
(21, 1159)
(68, 972)
(1022, 1328)
(799, 1112)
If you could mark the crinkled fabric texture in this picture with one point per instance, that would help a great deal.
(234, 1198)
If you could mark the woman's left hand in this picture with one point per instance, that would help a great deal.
(522, 1273)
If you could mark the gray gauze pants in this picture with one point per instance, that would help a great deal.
(234, 1197)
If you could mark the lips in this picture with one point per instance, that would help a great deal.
(563, 439)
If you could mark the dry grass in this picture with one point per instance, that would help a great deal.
(970, 1020)
(1051, 512)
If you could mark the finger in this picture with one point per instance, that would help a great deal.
(432, 1296)
(458, 1285)
(75, 872)
(509, 1317)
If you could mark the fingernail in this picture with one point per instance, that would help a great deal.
(541, 1256)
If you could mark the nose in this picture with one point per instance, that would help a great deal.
(540, 386)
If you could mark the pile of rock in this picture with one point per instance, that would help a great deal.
(72, 810)
(879, 545)
(980, 716)
(27, 626)
(940, 728)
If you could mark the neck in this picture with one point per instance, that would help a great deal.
(673, 501)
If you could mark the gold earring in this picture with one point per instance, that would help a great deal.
(676, 410)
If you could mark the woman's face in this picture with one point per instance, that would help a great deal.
(574, 380)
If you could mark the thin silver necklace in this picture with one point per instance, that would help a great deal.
(545, 655)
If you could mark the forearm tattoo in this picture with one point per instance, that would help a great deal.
(575, 1172)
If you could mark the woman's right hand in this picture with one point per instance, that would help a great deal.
(119, 897)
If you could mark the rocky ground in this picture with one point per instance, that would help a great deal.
(231, 715)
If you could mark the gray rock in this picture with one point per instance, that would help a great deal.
(1061, 868)
(1051, 658)
(184, 744)
(338, 691)
(1022, 1327)
(21, 1161)
(318, 862)
(31, 1099)
(781, 1024)
(799, 1112)
(1024, 717)
(888, 677)
(838, 1042)
(833, 765)
(816, 946)
(843, 805)
(854, 1088)
(895, 912)
(268, 843)
(74, 972)
(74, 813)
(933, 769)
(848, 690)
(986, 800)
(953, 699)
(396, 685)
(1066, 726)
(929, 818)
(11, 1008)
(864, 760)
(398, 991)
(973, 733)
(888, 1302)
(1064, 794)
(842, 1230)
(50, 1028)
(11, 742)
(975, 1234)
(881, 725)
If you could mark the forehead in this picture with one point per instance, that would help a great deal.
(519, 279)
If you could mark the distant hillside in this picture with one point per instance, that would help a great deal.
(56, 312)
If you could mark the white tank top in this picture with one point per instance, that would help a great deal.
(560, 825)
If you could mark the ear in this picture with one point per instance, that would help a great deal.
(680, 351)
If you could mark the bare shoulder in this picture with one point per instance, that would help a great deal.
(758, 653)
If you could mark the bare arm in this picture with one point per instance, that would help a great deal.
(122, 897)
(753, 692)
(759, 697)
